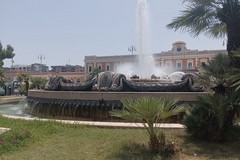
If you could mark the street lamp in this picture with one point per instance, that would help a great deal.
(132, 49)
(41, 58)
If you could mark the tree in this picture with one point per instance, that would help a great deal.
(5, 53)
(2, 78)
(24, 77)
(149, 111)
(214, 18)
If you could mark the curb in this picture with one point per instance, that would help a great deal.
(103, 124)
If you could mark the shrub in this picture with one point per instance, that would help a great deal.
(199, 122)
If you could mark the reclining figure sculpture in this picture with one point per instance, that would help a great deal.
(109, 81)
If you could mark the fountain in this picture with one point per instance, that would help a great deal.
(93, 99)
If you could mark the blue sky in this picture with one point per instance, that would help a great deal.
(65, 31)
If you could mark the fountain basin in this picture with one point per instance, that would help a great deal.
(89, 105)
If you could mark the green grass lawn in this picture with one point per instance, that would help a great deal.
(36, 140)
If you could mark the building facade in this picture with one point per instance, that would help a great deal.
(179, 58)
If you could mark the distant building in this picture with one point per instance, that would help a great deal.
(67, 68)
(21, 67)
(179, 58)
(37, 67)
(11, 75)
(74, 73)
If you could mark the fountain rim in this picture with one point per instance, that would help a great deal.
(99, 95)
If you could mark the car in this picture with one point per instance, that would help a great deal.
(2, 91)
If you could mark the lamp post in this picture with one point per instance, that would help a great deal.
(41, 58)
(132, 49)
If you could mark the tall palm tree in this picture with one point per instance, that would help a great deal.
(214, 18)
(149, 111)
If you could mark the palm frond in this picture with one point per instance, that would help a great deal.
(215, 73)
(234, 78)
(201, 17)
(197, 19)
(218, 105)
(148, 110)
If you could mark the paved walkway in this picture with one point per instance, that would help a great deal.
(12, 99)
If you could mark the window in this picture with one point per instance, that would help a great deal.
(89, 68)
(99, 66)
(108, 68)
(179, 65)
(203, 62)
(168, 64)
(190, 65)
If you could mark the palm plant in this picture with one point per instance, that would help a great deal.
(214, 114)
(209, 118)
(38, 82)
(234, 75)
(214, 18)
(214, 75)
(149, 111)
(234, 78)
